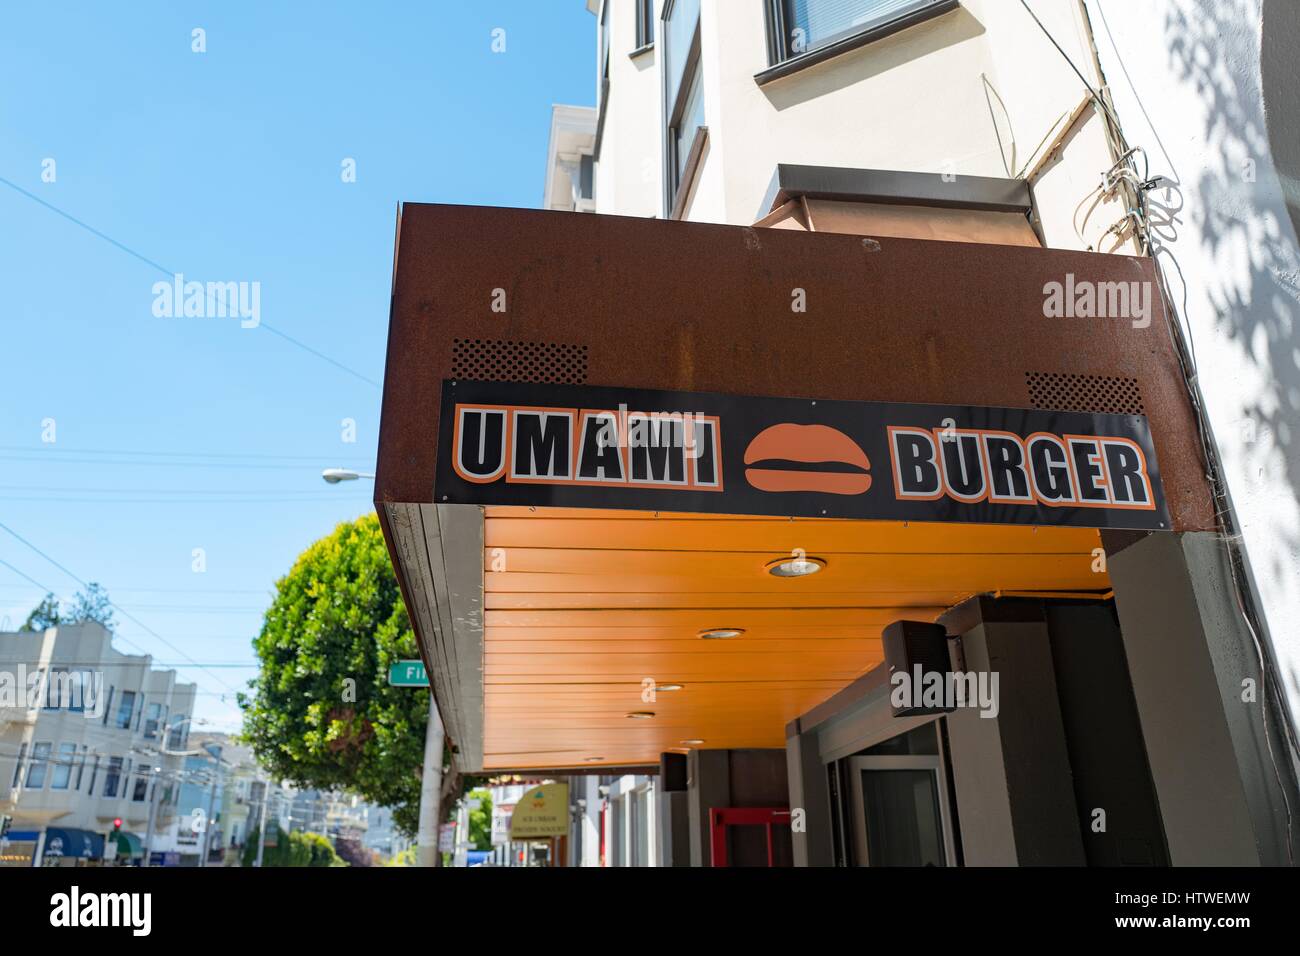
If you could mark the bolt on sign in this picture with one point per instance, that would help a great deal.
(589, 447)
(541, 812)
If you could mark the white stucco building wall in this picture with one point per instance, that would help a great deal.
(1189, 87)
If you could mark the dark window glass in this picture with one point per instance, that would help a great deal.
(141, 788)
(125, 708)
(903, 823)
(176, 739)
(154, 721)
(809, 24)
(920, 741)
(586, 176)
(645, 22)
(112, 776)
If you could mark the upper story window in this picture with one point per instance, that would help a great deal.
(66, 689)
(153, 722)
(63, 764)
(645, 23)
(800, 27)
(178, 734)
(36, 769)
(683, 94)
(112, 776)
(604, 41)
(125, 708)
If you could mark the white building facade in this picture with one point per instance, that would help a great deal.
(94, 738)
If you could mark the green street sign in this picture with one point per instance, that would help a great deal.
(408, 674)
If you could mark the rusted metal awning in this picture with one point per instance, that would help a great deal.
(546, 617)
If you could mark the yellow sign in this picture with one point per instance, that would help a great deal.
(541, 812)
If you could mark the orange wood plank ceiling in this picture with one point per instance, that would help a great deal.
(582, 606)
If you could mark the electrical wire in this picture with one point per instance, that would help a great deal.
(172, 274)
(131, 617)
(1185, 351)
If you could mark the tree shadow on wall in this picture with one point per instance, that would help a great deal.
(1245, 226)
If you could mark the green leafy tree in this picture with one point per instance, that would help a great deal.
(292, 849)
(91, 604)
(45, 614)
(321, 713)
(480, 821)
(406, 858)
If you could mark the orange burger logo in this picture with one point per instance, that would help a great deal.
(784, 453)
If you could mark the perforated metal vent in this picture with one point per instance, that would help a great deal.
(1105, 394)
(498, 360)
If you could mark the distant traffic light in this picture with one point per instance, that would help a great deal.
(117, 825)
(6, 822)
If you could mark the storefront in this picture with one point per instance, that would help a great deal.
(657, 491)
(53, 846)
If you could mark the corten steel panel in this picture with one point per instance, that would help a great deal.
(700, 307)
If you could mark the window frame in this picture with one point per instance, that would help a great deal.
(112, 774)
(603, 45)
(153, 724)
(645, 26)
(38, 761)
(65, 758)
(127, 697)
(782, 60)
(674, 112)
(18, 766)
(81, 766)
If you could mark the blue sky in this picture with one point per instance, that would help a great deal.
(173, 434)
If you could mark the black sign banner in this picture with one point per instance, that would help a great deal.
(575, 446)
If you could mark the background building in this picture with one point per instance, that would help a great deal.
(105, 751)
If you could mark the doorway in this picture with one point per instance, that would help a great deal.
(898, 803)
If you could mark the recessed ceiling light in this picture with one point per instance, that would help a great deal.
(721, 633)
(795, 567)
(693, 742)
(641, 714)
(669, 686)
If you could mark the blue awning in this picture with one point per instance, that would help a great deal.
(66, 841)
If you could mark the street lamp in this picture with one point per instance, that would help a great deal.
(335, 475)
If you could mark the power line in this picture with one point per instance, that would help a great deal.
(308, 493)
(171, 274)
(240, 466)
(49, 449)
(131, 617)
